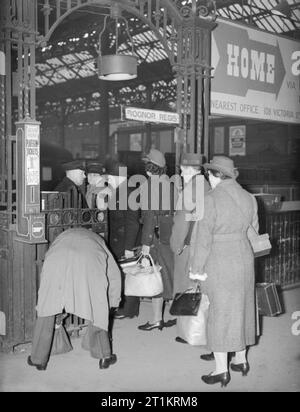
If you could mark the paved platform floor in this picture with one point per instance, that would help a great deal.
(153, 361)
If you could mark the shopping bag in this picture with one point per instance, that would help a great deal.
(143, 280)
(260, 244)
(267, 299)
(186, 303)
(61, 341)
(193, 328)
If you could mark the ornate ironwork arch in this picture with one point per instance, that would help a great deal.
(157, 14)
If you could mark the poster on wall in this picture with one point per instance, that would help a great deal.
(256, 74)
(32, 155)
(237, 141)
(219, 139)
(136, 142)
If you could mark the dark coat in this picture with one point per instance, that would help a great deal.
(221, 249)
(124, 225)
(180, 241)
(156, 233)
(81, 276)
(76, 196)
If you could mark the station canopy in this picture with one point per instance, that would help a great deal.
(66, 67)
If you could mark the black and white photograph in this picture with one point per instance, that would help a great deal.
(149, 199)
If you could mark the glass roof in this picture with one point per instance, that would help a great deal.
(77, 61)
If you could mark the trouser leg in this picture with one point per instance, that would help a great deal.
(42, 339)
(130, 306)
(99, 342)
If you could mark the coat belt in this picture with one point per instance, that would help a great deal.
(229, 237)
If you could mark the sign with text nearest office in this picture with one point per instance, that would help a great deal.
(150, 116)
(256, 74)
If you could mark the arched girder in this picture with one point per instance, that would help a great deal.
(156, 10)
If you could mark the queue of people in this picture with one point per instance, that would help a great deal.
(210, 249)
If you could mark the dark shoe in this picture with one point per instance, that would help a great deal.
(119, 316)
(149, 326)
(207, 356)
(180, 340)
(223, 378)
(240, 367)
(39, 367)
(170, 323)
(104, 363)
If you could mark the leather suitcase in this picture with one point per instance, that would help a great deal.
(268, 302)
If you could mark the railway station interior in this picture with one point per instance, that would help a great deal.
(101, 80)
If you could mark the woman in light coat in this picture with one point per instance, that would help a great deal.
(222, 257)
(79, 276)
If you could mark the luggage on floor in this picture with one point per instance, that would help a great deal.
(268, 302)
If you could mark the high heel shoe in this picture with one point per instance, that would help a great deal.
(240, 367)
(223, 378)
(149, 326)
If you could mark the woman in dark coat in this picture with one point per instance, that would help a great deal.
(222, 257)
(155, 237)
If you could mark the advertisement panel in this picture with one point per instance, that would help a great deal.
(256, 74)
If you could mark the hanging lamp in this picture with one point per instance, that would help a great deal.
(117, 67)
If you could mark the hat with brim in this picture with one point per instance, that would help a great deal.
(224, 165)
(73, 165)
(156, 157)
(191, 159)
(95, 168)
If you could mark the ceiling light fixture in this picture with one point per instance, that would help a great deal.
(116, 67)
(282, 9)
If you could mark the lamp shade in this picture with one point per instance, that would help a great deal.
(116, 67)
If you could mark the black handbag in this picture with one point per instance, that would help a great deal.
(186, 303)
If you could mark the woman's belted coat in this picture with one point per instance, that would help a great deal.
(81, 276)
(220, 248)
(180, 237)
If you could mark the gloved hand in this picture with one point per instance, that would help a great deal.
(145, 250)
(128, 254)
(197, 276)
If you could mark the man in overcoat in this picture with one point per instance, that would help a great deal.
(81, 277)
(72, 184)
(124, 228)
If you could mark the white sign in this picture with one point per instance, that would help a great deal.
(32, 155)
(256, 74)
(2, 63)
(150, 116)
(237, 141)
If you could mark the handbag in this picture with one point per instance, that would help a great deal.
(260, 244)
(186, 303)
(193, 328)
(61, 341)
(267, 299)
(143, 281)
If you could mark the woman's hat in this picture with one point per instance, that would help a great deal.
(156, 157)
(95, 167)
(191, 159)
(222, 164)
(114, 168)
